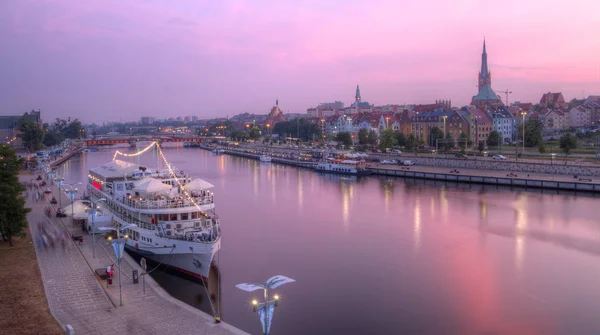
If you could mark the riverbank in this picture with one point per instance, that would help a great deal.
(77, 297)
(524, 175)
(23, 304)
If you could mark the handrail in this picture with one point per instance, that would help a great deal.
(160, 204)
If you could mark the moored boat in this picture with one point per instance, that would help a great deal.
(339, 166)
(265, 158)
(165, 215)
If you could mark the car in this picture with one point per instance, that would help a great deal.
(396, 151)
(499, 158)
(460, 156)
(389, 162)
(408, 163)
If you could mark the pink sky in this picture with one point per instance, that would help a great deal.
(107, 60)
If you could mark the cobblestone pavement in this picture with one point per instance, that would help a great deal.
(78, 298)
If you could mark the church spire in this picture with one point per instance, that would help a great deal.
(484, 64)
(357, 95)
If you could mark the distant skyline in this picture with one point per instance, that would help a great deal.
(112, 60)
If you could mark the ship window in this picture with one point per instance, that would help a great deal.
(163, 217)
(178, 226)
(168, 233)
(168, 226)
(197, 224)
(119, 187)
(195, 215)
(184, 216)
(173, 217)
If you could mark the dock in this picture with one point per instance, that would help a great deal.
(80, 300)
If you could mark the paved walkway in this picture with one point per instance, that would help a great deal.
(78, 298)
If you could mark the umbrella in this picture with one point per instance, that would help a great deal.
(198, 184)
(79, 210)
(150, 185)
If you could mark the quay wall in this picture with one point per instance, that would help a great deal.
(469, 163)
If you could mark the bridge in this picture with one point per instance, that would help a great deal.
(127, 139)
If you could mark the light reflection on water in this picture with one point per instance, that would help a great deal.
(388, 256)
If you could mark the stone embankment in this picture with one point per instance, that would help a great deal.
(481, 164)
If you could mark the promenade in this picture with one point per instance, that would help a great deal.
(78, 298)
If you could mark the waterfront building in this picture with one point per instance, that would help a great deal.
(275, 115)
(483, 126)
(359, 106)
(9, 127)
(553, 100)
(146, 120)
(504, 123)
(486, 97)
(402, 122)
(554, 120)
(422, 123)
(580, 117)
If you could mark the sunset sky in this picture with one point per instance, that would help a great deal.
(111, 60)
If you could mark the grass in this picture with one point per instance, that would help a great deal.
(23, 304)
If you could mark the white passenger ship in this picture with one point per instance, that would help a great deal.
(339, 166)
(171, 217)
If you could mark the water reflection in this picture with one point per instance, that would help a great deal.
(417, 225)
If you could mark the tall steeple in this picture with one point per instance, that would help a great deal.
(357, 95)
(485, 77)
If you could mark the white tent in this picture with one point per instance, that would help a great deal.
(150, 185)
(198, 184)
(79, 210)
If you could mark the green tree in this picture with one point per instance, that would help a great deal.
(388, 139)
(567, 142)
(73, 130)
(493, 139)
(254, 133)
(344, 137)
(372, 139)
(533, 132)
(463, 144)
(302, 127)
(411, 143)
(481, 146)
(401, 138)
(434, 134)
(363, 136)
(52, 137)
(13, 214)
(449, 142)
(31, 134)
(541, 147)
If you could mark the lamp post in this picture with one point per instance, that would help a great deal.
(552, 159)
(59, 180)
(94, 210)
(71, 193)
(118, 247)
(523, 126)
(265, 309)
(387, 122)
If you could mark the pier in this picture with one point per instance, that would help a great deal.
(81, 300)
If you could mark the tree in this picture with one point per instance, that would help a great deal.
(344, 137)
(541, 147)
(449, 142)
(401, 138)
(363, 136)
(372, 140)
(567, 142)
(388, 139)
(434, 134)
(464, 137)
(13, 214)
(411, 143)
(254, 133)
(481, 146)
(31, 134)
(298, 127)
(73, 129)
(533, 132)
(52, 138)
(493, 139)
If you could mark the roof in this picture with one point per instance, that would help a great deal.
(114, 169)
(552, 98)
(481, 116)
(486, 93)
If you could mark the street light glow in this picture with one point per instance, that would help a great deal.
(254, 302)
(276, 297)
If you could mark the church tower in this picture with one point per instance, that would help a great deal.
(357, 95)
(485, 76)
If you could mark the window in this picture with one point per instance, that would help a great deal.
(184, 216)
(163, 217)
(172, 217)
(168, 226)
(119, 187)
(195, 215)
(178, 226)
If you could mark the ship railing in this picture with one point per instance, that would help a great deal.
(137, 203)
(202, 230)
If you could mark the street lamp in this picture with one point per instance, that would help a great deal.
(71, 193)
(444, 118)
(94, 211)
(387, 122)
(59, 180)
(552, 156)
(523, 126)
(118, 247)
(265, 309)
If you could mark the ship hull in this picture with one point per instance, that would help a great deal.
(195, 265)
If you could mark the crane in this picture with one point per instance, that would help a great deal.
(507, 92)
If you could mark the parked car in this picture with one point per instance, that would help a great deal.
(460, 156)
(389, 162)
(499, 158)
(396, 151)
(407, 163)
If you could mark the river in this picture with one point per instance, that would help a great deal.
(380, 255)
